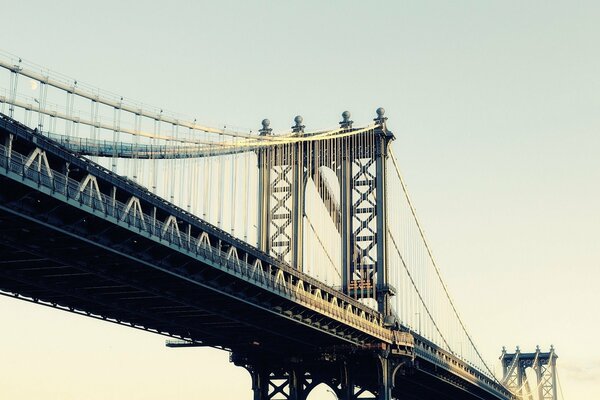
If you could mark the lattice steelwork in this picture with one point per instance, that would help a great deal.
(281, 192)
(547, 377)
(364, 203)
(363, 240)
(515, 365)
(358, 162)
(281, 180)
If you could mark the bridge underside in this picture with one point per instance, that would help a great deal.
(64, 257)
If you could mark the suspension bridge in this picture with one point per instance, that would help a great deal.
(299, 252)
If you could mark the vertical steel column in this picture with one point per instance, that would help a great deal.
(295, 384)
(347, 384)
(298, 183)
(503, 363)
(382, 292)
(386, 383)
(519, 371)
(345, 178)
(552, 363)
(264, 185)
(381, 153)
(298, 209)
(537, 367)
(260, 383)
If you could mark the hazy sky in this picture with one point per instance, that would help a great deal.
(496, 110)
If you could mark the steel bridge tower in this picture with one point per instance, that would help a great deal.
(514, 366)
(359, 162)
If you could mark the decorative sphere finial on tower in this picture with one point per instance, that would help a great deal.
(298, 127)
(265, 127)
(346, 123)
(380, 116)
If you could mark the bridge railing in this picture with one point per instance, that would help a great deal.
(438, 356)
(280, 279)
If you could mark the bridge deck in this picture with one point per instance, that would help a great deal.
(60, 246)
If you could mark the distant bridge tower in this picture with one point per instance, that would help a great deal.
(514, 366)
(359, 163)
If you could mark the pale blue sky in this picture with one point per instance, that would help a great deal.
(496, 107)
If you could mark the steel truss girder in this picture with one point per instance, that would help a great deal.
(197, 274)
